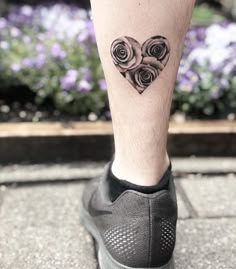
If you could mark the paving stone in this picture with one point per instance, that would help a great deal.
(212, 196)
(50, 172)
(39, 228)
(206, 244)
(204, 165)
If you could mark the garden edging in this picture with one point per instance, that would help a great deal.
(74, 141)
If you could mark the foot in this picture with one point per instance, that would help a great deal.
(136, 230)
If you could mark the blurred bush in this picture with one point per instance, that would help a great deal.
(51, 49)
(206, 83)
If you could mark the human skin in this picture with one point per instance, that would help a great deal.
(140, 117)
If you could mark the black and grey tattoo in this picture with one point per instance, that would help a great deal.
(140, 65)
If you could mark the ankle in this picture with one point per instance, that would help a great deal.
(134, 173)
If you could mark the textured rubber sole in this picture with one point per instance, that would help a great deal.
(105, 260)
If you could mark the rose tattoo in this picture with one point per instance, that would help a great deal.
(126, 53)
(140, 65)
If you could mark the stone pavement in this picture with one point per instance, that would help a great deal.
(40, 228)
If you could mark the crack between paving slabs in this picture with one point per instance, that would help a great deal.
(192, 211)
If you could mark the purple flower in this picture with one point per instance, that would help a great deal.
(214, 94)
(39, 48)
(72, 73)
(230, 67)
(87, 51)
(199, 55)
(26, 10)
(88, 33)
(40, 60)
(224, 83)
(15, 32)
(90, 28)
(195, 38)
(84, 85)
(102, 84)
(86, 73)
(69, 80)
(3, 23)
(21, 15)
(83, 36)
(57, 52)
(187, 79)
(29, 62)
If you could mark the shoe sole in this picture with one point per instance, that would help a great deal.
(105, 260)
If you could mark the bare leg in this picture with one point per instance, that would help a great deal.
(140, 121)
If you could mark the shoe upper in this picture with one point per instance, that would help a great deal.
(137, 229)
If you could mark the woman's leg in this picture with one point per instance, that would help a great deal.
(139, 40)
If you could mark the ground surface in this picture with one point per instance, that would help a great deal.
(39, 216)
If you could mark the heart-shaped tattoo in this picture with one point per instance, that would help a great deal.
(140, 65)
